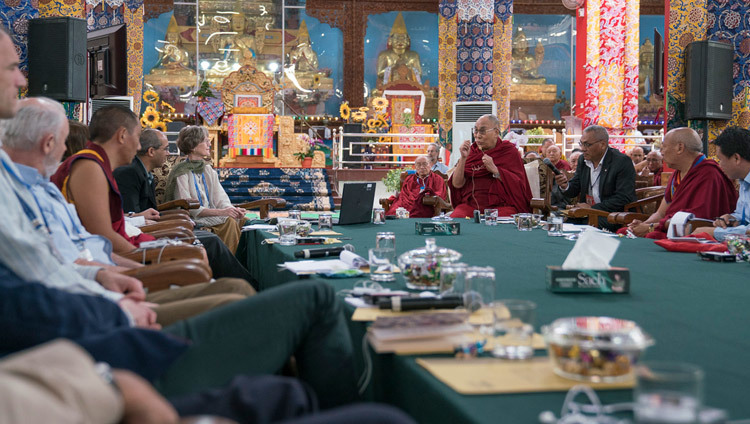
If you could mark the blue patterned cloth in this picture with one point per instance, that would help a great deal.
(302, 188)
(729, 21)
(14, 16)
(475, 44)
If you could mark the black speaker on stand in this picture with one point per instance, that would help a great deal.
(350, 150)
(708, 82)
(57, 58)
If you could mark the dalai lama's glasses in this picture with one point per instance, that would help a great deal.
(482, 131)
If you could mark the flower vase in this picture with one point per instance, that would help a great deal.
(307, 162)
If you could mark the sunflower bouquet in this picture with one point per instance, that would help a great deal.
(152, 117)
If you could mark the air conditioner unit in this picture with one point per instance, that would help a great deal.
(96, 104)
(465, 115)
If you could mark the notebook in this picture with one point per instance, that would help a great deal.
(356, 203)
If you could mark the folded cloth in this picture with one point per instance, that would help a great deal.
(691, 247)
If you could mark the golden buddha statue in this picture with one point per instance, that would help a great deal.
(302, 55)
(645, 70)
(398, 62)
(173, 66)
(525, 66)
(241, 47)
(309, 83)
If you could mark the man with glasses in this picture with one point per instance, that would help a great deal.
(415, 187)
(604, 178)
(489, 174)
(654, 167)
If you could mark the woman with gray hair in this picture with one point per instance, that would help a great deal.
(194, 178)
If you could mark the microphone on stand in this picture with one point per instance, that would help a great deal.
(322, 252)
(471, 300)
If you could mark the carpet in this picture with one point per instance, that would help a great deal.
(302, 188)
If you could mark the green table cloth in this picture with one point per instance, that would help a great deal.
(694, 309)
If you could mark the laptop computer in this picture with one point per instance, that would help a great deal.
(356, 203)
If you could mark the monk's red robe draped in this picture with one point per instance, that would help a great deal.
(414, 190)
(94, 152)
(510, 194)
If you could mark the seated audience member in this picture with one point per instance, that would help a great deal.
(604, 178)
(136, 184)
(433, 153)
(86, 180)
(196, 179)
(489, 174)
(543, 148)
(654, 167)
(415, 187)
(32, 381)
(697, 186)
(636, 155)
(531, 155)
(555, 156)
(36, 150)
(573, 159)
(733, 151)
(78, 136)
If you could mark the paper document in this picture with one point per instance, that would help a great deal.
(264, 227)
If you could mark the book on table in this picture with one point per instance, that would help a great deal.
(419, 332)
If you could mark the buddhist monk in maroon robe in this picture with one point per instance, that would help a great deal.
(415, 187)
(490, 174)
(698, 185)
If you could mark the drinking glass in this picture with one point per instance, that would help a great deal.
(514, 328)
(555, 225)
(325, 222)
(525, 222)
(490, 217)
(479, 294)
(452, 277)
(385, 240)
(378, 216)
(295, 214)
(287, 232)
(382, 262)
(668, 392)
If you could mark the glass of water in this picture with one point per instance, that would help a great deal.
(479, 294)
(452, 277)
(555, 225)
(490, 216)
(325, 222)
(287, 232)
(385, 240)
(525, 222)
(514, 328)
(668, 392)
(382, 263)
(378, 216)
(295, 214)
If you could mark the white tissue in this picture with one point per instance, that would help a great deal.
(593, 250)
(352, 259)
(677, 224)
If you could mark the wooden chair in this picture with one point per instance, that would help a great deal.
(543, 204)
(263, 205)
(181, 272)
(648, 201)
(438, 204)
(168, 253)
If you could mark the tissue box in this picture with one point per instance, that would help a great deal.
(613, 280)
(438, 228)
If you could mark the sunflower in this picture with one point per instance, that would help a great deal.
(373, 123)
(344, 111)
(364, 109)
(359, 116)
(384, 140)
(371, 131)
(383, 119)
(150, 96)
(316, 80)
(379, 103)
(162, 126)
(150, 116)
(167, 106)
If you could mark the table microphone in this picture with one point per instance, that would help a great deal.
(322, 252)
(398, 304)
(551, 166)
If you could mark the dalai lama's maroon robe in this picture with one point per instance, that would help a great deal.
(414, 190)
(94, 152)
(510, 194)
(705, 192)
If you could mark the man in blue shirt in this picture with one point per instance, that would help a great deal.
(733, 151)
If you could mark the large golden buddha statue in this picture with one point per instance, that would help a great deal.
(241, 47)
(173, 66)
(398, 62)
(525, 66)
(302, 55)
(310, 84)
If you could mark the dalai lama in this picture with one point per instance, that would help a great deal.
(415, 187)
(490, 174)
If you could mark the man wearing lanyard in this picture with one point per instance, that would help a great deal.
(733, 151)
(698, 185)
(604, 178)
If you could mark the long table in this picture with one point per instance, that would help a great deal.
(695, 310)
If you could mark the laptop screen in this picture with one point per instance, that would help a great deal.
(356, 203)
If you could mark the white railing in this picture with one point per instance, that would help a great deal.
(338, 148)
(570, 141)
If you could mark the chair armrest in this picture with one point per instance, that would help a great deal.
(385, 203)
(264, 205)
(539, 204)
(179, 204)
(638, 205)
(161, 276)
(625, 218)
(438, 204)
(168, 253)
(174, 233)
(174, 214)
(168, 225)
(592, 214)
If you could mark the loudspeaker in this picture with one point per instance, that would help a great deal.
(708, 80)
(57, 58)
(350, 149)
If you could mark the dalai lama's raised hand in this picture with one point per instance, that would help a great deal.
(465, 149)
